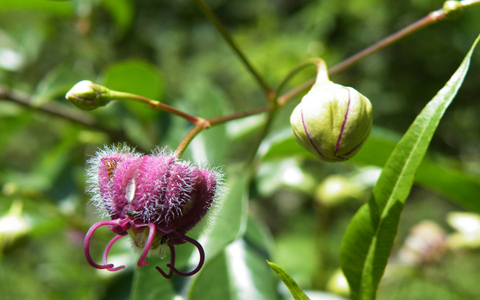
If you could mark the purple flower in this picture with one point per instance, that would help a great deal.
(154, 198)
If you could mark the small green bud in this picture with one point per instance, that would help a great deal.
(452, 9)
(87, 95)
(332, 121)
(13, 225)
(337, 284)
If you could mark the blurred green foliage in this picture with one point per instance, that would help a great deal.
(169, 51)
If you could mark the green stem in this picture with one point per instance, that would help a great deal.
(226, 35)
(154, 104)
(322, 75)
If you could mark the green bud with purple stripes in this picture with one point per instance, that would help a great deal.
(332, 121)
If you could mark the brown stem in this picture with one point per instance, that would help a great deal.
(430, 19)
(220, 120)
(203, 124)
(283, 99)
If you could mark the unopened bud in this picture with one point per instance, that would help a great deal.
(332, 121)
(87, 95)
(452, 9)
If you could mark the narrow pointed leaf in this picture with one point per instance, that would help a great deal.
(292, 286)
(369, 237)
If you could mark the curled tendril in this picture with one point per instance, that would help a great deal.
(88, 237)
(148, 244)
(107, 249)
(171, 265)
(120, 226)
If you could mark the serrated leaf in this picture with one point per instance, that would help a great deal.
(369, 237)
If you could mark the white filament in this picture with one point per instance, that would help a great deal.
(130, 191)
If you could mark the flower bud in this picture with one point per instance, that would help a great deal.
(13, 225)
(87, 95)
(452, 9)
(332, 121)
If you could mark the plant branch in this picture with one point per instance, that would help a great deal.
(450, 9)
(221, 120)
(468, 3)
(63, 112)
(226, 35)
(155, 105)
(439, 15)
(190, 135)
(430, 19)
(322, 75)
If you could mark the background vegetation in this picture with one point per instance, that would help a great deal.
(168, 50)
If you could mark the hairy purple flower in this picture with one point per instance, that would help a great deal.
(154, 198)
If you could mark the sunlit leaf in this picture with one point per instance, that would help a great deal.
(137, 77)
(239, 271)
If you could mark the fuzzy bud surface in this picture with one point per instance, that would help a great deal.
(155, 199)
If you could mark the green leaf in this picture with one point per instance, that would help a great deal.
(239, 271)
(231, 216)
(461, 188)
(205, 99)
(148, 284)
(369, 237)
(297, 293)
(137, 77)
(122, 11)
(56, 83)
(63, 8)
